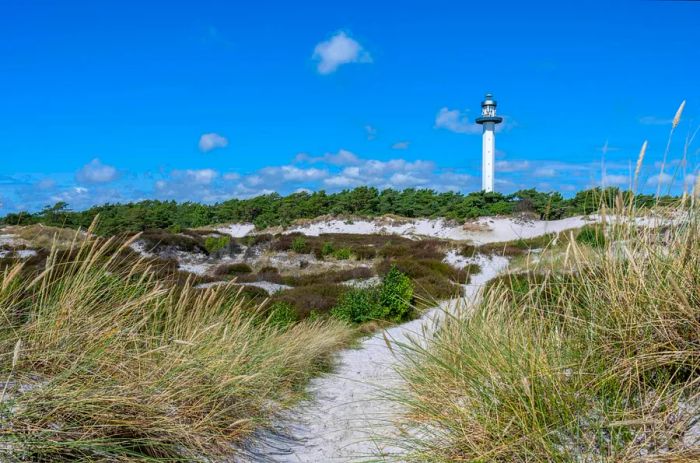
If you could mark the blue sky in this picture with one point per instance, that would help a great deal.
(118, 101)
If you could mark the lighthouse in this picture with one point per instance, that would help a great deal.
(488, 120)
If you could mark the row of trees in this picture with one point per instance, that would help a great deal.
(274, 209)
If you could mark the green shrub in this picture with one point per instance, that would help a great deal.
(240, 268)
(300, 245)
(342, 254)
(327, 249)
(390, 301)
(282, 315)
(395, 295)
(358, 306)
(591, 235)
(320, 297)
(216, 243)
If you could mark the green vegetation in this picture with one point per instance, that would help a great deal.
(104, 360)
(358, 305)
(317, 297)
(591, 235)
(342, 253)
(300, 245)
(596, 362)
(214, 244)
(433, 279)
(239, 268)
(273, 209)
(392, 301)
(327, 249)
(395, 296)
(362, 247)
(335, 276)
(282, 315)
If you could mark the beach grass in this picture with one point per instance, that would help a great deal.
(100, 360)
(596, 358)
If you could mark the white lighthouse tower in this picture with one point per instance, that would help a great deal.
(488, 139)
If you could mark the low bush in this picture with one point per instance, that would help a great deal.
(433, 279)
(395, 296)
(358, 306)
(342, 253)
(282, 315)
(239, 268)
(431, 289)
(217, 243)
(335, 276)
(391, 301)
(300, 245)
(327, 249)
(156, 241)
(255, 240)
(514, 248)
(319, 297)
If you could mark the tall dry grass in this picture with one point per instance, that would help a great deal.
(595, 360)
(101, 361)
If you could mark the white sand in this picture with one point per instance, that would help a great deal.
(18, 253)
(346, 408)
(8, 239)
(363, 283)
(481, 231)
(456, 260)
(236, 230)
(268, 286)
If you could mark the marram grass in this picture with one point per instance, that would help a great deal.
(101, 361)
(594, 361)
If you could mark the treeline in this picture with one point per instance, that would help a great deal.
(274, 209)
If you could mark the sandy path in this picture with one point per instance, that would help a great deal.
(345, 408)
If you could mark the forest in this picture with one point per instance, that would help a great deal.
(274, 209)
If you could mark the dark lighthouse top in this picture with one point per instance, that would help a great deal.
(488, 111)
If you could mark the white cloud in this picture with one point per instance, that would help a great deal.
(352, 171)
(401, 180)
(455, 121)
(341, 158)
(338, 50)
(341, 181)
(292, 174)
(400, 145)
(210, 141)
(96, 172)
(232, 176)
(653, 120)
(196, 176)
(46, 184)
(371, 132)
(545, 172)
(663, 179)
(615, 179)
(511, 166)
